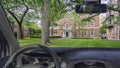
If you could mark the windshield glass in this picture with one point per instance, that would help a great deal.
(55, 23)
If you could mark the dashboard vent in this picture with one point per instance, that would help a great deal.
(90, 65)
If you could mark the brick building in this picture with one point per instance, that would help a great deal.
(113, 29)
(68, 28)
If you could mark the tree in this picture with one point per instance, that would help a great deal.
(76, 19)
(45, 22)
(113, 8)
(17, 9)
(53, 24)
(51, 11)
(103, 28)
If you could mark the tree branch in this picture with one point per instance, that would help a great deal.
(24, 12)
(89, 18)
(11, 13)
(114, 9)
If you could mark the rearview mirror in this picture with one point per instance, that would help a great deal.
(92, 8)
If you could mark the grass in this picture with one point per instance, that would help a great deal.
(28, 41)
(74, 43)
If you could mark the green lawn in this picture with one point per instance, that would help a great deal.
(28, 41)
(74, 43)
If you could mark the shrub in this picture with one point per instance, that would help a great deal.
(55, 37)
(82, 38)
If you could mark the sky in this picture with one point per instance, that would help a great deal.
(103, 15)
(105, 1)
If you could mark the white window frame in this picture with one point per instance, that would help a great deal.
(67, 26)
(92, 23)
(78, 34)
(92, 34)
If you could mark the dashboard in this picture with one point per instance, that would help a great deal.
(81, 57)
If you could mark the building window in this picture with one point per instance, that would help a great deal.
(92, 23)
(85, 33)
(78, 33)
(92, 33)
(56, 33)
(67, 26)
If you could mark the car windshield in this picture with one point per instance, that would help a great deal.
(55, 23)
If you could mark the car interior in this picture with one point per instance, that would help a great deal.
(39, 56)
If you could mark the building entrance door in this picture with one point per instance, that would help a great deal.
(67, 34)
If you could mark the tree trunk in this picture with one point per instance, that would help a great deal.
(20, 31)
(45, 23)
(52, 31)
(78, 31)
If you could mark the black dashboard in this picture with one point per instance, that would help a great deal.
(83, 57)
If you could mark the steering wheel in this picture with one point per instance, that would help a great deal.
(10, 62)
